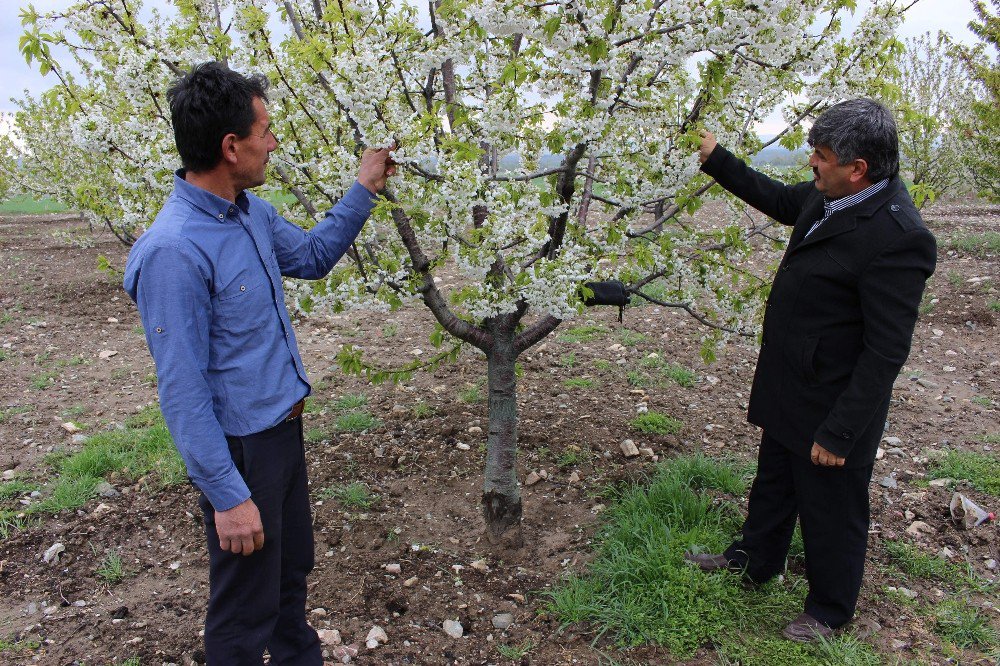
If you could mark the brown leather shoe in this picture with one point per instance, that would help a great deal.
(806, 629)
(707, 561)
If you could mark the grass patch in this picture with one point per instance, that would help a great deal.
(912, 562)
(961, 623)
(604, 365)
(980, 245)
(631, 338)
(350, 402)
(638, 588)
(111, 569)
(568, 360)
(982, 401)
(13, 645)
(515, 652)
(423, 410)
(981, 470)
(656, 423)
(25, 205)
(471, 395)
(43, 380)
(6, 414)
(350, 496)
(16, 488)
(579, 382)
(357, 422)
(316, 435)
(587, 333)
(571, 457)
(993, 306)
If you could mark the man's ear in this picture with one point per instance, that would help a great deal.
(859, 170)
(229, 148)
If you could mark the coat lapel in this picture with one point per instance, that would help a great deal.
(841, 221)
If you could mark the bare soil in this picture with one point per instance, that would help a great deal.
(60, 312)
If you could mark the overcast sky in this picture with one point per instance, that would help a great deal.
(16, 76)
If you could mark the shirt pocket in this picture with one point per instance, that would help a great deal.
(243, 306)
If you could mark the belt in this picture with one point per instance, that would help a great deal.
(296, 410)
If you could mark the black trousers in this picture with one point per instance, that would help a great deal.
(259, 601)
(833, 510)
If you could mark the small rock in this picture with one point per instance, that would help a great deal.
(629, 448)
(376, 636)
(574, 477)
(318, 612)
(399, 409)
(112, 320)
(940, 483)
(107, 353)
(888, 482)
(519, 598)
(926, 383)
(105, 489)
(879, 453)
(502, 620)
(649, 453)
(51, 555)
(453, 628)
(410, 582)
(393, 568)
(898, 645)
(475, 430)
(481, 566)
(8, 474)
(79, 438)
(532, 479)
(892, 441)
(344, 653)
(462, 446)
(907, 592)
(946, 553)
(70, 427)
(991, 564)
(917, 527)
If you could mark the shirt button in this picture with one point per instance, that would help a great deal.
(243, 287)
(159, 330)
(222, 216)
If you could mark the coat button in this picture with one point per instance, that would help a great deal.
(894, 208)
(846, 434)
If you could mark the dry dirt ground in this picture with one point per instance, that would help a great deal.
(60, 312)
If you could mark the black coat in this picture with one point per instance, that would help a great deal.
(840, 313)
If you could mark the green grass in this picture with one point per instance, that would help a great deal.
(316, 435)
(3, 355)
(138, 451)
(568, 360)
(955, 279)
(639, 590)
(422, 410)
(16, 488)
(350, 402)
(926, 303)
(993, 305)
(982, 401)
(43, 380)
(604, 365)
(656, 423)
(111, 569)
(980, 245)
(586, 333)
(962, 624)
(631, 338)
(515, 652)
(579, 382)
(359, 421)
(11, 522)
(6, 414)
(471, 395)
(350, 496)
(912, 562)
(571, 457)
(981, 470)
(24, 205)
(13, 645)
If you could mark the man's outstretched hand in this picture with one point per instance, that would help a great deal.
(376, 168)
(708, 144)
(240, 530)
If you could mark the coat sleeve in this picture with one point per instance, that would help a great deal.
(889, 290)
(778, 201)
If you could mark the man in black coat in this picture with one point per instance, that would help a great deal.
(837, 330)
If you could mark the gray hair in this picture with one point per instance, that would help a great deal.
(860, 129)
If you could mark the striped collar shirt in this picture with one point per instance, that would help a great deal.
(831, 206)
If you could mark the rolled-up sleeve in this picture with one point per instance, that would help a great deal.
(312, 254)
(172, 293)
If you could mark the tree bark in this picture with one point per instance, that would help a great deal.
(501, 491)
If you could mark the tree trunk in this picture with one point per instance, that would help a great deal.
(501, 492)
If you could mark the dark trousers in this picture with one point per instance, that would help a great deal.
(259, 601)
(832, 506)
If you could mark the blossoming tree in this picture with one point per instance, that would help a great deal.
(541, 144)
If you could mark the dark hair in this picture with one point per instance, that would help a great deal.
(860, 128)
(208, 103)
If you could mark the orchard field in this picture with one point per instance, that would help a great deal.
(396, 478)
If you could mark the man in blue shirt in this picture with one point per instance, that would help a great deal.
(206, 277)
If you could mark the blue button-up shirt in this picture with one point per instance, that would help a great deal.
(206, 277)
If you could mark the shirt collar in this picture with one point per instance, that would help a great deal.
(212, 204)
(831, 206)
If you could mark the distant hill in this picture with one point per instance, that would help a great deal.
(780, 156)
